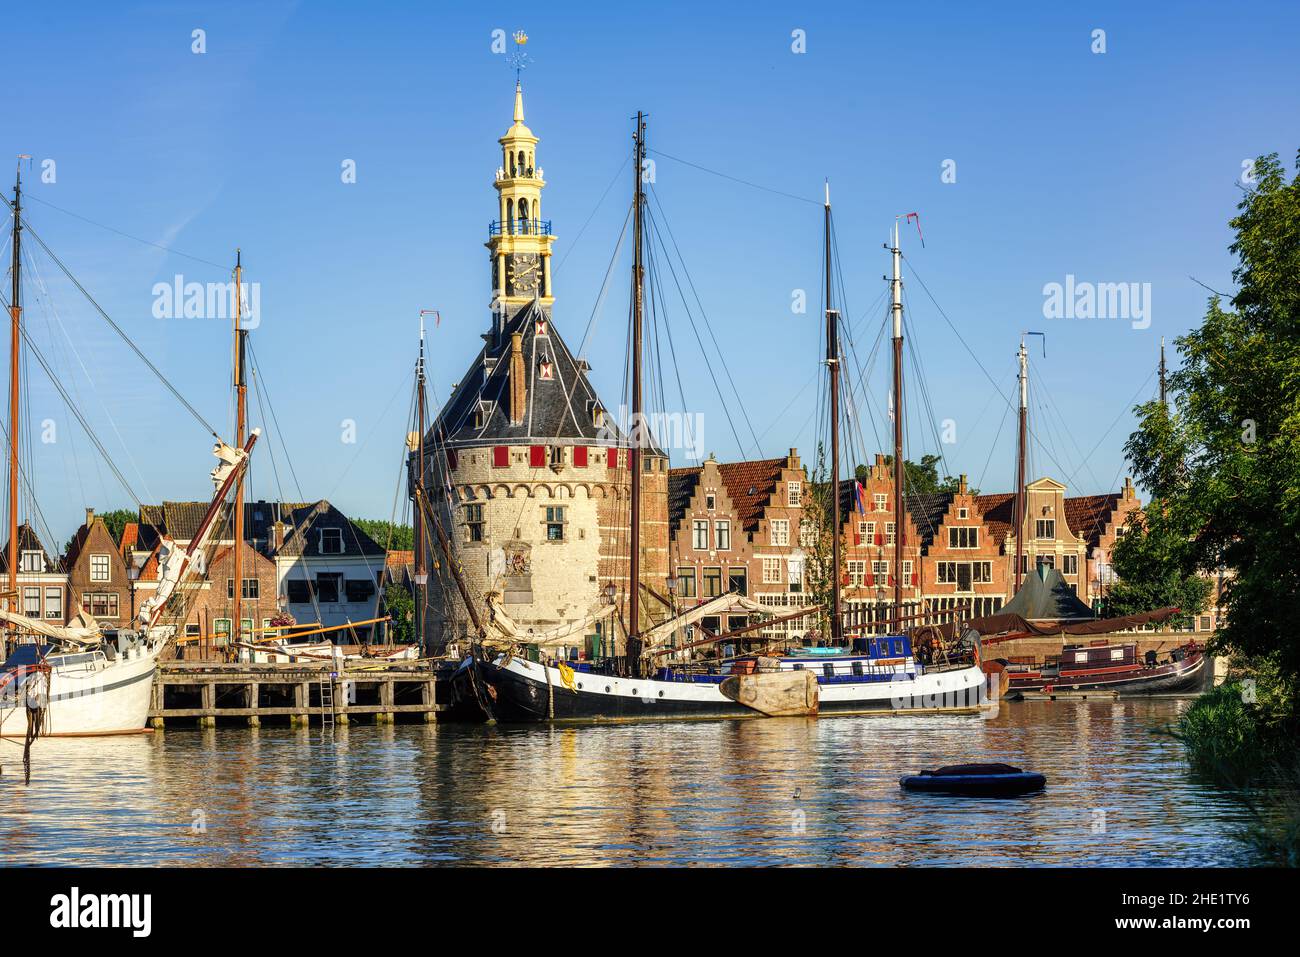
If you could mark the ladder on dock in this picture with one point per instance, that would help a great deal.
(326, 685)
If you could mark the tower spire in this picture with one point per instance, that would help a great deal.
(519, 101)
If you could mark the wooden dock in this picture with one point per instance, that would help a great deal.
(207, 692)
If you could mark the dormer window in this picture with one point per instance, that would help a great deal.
(32, 562)
(482, 414)
(331, 541)
(541, 328)
(545, 367)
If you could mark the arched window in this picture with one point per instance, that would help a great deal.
(510, 215)
(523, 215)
(521, 162)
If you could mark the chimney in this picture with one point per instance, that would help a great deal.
(518, 389)
(961, 484)
(1129, 491)
(90, 517)
(277, 536)
(793, 461)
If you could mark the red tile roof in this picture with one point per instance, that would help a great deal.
(398, 559)
(999, 513)
(1087, 515)
(749, 485)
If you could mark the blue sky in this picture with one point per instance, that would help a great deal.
(1120, 166)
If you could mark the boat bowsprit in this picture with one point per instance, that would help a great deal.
(976, 780)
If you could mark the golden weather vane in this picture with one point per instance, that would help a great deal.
(519, 59)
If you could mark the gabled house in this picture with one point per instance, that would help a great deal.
(734, 527)
(97, 574)
(328, 569)
(305, 558)
(42, 582)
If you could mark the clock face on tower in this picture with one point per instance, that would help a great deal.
(525, 273)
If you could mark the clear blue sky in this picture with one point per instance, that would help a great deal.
(1114, 167)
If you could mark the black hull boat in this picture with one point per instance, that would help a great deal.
(1114, 668)
(880, 682)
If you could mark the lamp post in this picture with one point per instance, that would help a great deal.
(138, 557)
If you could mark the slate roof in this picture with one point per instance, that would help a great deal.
(180, 520)
(927, 513)
(681, 486)
(28, 541)
(559, 408)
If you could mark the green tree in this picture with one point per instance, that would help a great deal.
(117, 520)
(1156, 568)
(919, 478)
(399, 538)
(815, 538)
(1224, 462)
(399, 603)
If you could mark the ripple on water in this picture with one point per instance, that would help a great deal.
(780, 792)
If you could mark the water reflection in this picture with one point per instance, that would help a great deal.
(775, 792)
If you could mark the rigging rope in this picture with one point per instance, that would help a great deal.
(116, 328)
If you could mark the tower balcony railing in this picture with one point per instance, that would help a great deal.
(519, 227)
(518, 173)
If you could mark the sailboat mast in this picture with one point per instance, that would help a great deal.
(896, 309)
(241, 428)
(1020, 461)
(638, 432)
(1162, 372)
(421, 573)
(15, 317)
(833, 366)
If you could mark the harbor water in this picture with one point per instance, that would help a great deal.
(758, 792)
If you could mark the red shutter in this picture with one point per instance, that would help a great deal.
(537, 456)
(613, 458)
(500, 456)
(451, 459)
(857, 539)
(871, 579)
(580, 456)
(913, 578)
(880, 538)
(891, 579)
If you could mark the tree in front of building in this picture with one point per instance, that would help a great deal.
(1156, 567)
(399, 603)
(815, 539)
(1223, 465)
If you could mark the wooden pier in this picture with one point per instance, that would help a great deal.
(207, 692)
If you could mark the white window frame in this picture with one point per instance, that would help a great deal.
(327, 551)
(772, 571)
(722, 534)
(700, 534)
(96, 562)
(794, 494)
(779, 531)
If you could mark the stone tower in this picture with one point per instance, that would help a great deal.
(527, 469)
